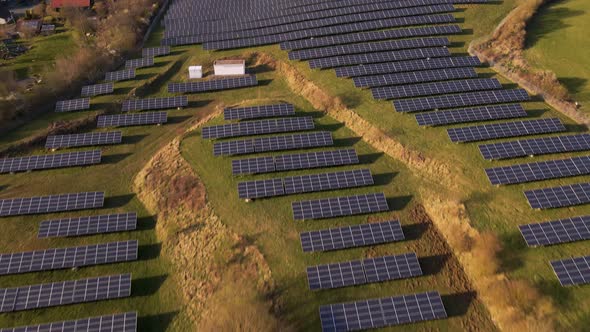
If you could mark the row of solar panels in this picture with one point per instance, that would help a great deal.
(128, 105)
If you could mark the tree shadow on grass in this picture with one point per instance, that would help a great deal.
(511, 255)
(457, 304)
(574, 84)
(147, 286)
(550, 17)
(561, 295)
(159, 322)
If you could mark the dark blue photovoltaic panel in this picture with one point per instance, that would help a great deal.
(256, 112)
(417, 53)
(572, 271)
(289, 162)
(535, 146)
(414, 77)
(542, 170)
(52, 203)
(556, 197)
(126, 322)
(213, 85)
(139, 63)
(408, 66)
(120, 75)
(154, 103)
(260, 188)
(274, 143)
(138, 119)
(505, 129)
(475, 114)
(59, 160)
(78, 140)
(97, 89)
(339, 206)
(556, 231)
(436, 88)
(248, 128)
(72, 105)
(79, 226)
(155, 51)
(328, 181)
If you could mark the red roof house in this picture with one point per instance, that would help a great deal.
(55, 4)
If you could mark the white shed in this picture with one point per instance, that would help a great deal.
(195, 72)
(229, 67)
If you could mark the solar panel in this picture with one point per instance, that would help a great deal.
(120, 75)
(414, 77)
(256, 112)
(46, 28)
(556, 197)
(328, 181)
(260, 188)
(97, 89)
(258, 127)
(155, 51)
(274, 143)
(72, 105)
(436, 88)
(65, 292)
(375, 313)
(79, 226)
(340, 157)
(358, 272)
(64, 258)
(339, 206)
(556, 231)
(52, 203)
(154, 103)
(375, 57)
(389, 45)
(505, 129)
(460, 100)
(407, 66)
(535, 146)
(139, 63)
(370, 36)
(253, 165)
(88, 139)
(213, 85)
(39, 162)
(572, 271)
(542, 170)
(125, 322)
(475, 114)
(138, 119)
(352, 236)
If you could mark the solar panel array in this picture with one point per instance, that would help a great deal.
(363, 37)
(259, 127)
(535, 146)
(505, 129)
(555, 197)
(97, 89)
(139, 63)
(542, 170)
(303, 183)
(274, 143)
(572, 271)
(475, 114)
(138, 119)
(406, 66)
(339, 206)
(45, 28)
(256, 112)
(376, 57)
(79, 226)
(125, 322)
(69, 159)
(213, 85)
(376, 313)
(294, 161)
(352, 236)
(88, 139)
(51, 203)
(65, 292)
(556, 231)
(154, 103)
(364, 271)
(390, 45)
(72, 105)
(120, 75)
(436, 88)
(413, 77)
(155, 51)
(461, 100)
(64, 258)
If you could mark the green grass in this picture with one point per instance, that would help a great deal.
(41, 54)
(557, 39)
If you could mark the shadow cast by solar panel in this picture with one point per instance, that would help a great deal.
(117, 201)
(198, 103)
(144, 76)
(536, 112)
(398, 203)
(456, 44)
(576, 128)
(383, 179)
(133, 139)
(562, 296)
(329, 127)
(178, 119)
(414, 231)
(458, 304)
(263, 82)
(159, 322)
(466, 32)
(459, 20)
(147, 286)
(457, 54)
(160, 64)
(369, 158)
(114, 158)
(432, 265)
(148, 252)
(146, 223)
(512, 254)
(510, 86)
(487, 75)
(346, 142)
(107, 107)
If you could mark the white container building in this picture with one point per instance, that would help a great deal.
(229, 67)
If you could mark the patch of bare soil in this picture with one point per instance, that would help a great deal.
(224, 281)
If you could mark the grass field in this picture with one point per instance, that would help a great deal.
(557, 39)
(269, 223)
